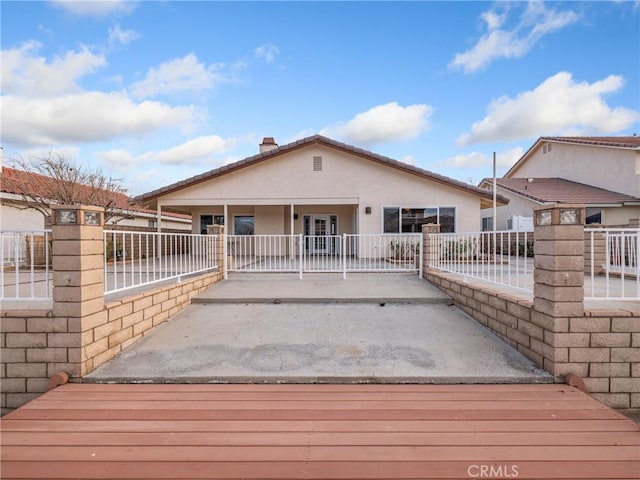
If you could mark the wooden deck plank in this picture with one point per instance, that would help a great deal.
(266, 415)
(320, 405)
(318, 431)
(279, 438)
(617, 424)
(317, 470)
(320, 388)
(321, 453)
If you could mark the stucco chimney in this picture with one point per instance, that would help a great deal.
(268, 143)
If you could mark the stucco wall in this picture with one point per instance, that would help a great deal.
(613, 169)
(517, 206)
(344, 180)
(12, 218)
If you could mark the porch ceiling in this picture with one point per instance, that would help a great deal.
(173, 204)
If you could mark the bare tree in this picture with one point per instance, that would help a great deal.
(53, 179)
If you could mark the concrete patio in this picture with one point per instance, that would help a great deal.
(391, 328)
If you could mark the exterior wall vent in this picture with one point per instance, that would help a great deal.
(317, 164)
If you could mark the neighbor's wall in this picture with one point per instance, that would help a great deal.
(517, 206)
(13, 218)
(613, 169)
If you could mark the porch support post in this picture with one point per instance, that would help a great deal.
(301, 252)
(292, 247)
(159, 218)
(344, 256)
(225, 253)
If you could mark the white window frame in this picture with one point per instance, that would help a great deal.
(422, 207)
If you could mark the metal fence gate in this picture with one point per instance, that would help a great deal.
(324, 253)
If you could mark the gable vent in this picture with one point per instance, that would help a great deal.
(317, 164)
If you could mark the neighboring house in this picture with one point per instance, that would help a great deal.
(16, 215)
(318, 186)
(601, 172)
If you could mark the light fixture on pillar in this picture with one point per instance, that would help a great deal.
(543, 218)
(559, 215)
(66, 217)
(92, 218)
(570, 216)
(367, 210)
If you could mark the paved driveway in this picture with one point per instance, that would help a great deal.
(401, 329)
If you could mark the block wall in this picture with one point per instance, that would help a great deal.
(35, 344)
(601, 346)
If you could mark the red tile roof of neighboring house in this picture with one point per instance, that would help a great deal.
(318, 139)
(16, 181)
(560, 190)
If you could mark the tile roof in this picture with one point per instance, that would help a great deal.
(560, 190)
(315, 139)
(620, 142)
(18, 182)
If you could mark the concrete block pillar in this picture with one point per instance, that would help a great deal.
(218, 231)
(78, 273)
(429, 252)
(558, 291)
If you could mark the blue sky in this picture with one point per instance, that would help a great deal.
(154, 92)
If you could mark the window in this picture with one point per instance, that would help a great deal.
(487, 224)
(410, 220)
(243, 225)
(153, 224)
(205, 220)
(593, 215)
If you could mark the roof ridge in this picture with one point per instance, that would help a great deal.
(302, 142)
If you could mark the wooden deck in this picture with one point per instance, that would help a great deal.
(318, 431)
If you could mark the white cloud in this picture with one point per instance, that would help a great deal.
(24, 72)
(558, 106)
(536, 21)
(179, 75)
(196, 149)
(268, 52)
(479, 159)
(384, 123)
(117, 36)
(188, 153)
(96, 8)
(86, 117)
(119, 159)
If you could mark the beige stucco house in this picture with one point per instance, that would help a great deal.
(318, 186)
(601, 172)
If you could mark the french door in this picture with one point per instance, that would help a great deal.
(319, 230)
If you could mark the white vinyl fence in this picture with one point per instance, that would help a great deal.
(324, 253)
(26, 269)
(612, 263)
(503, 257)
(134, 259)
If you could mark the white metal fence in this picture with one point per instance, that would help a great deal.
(26, 269)
(612, 263)
(324, 253)
(503, 257)
(134, 259)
